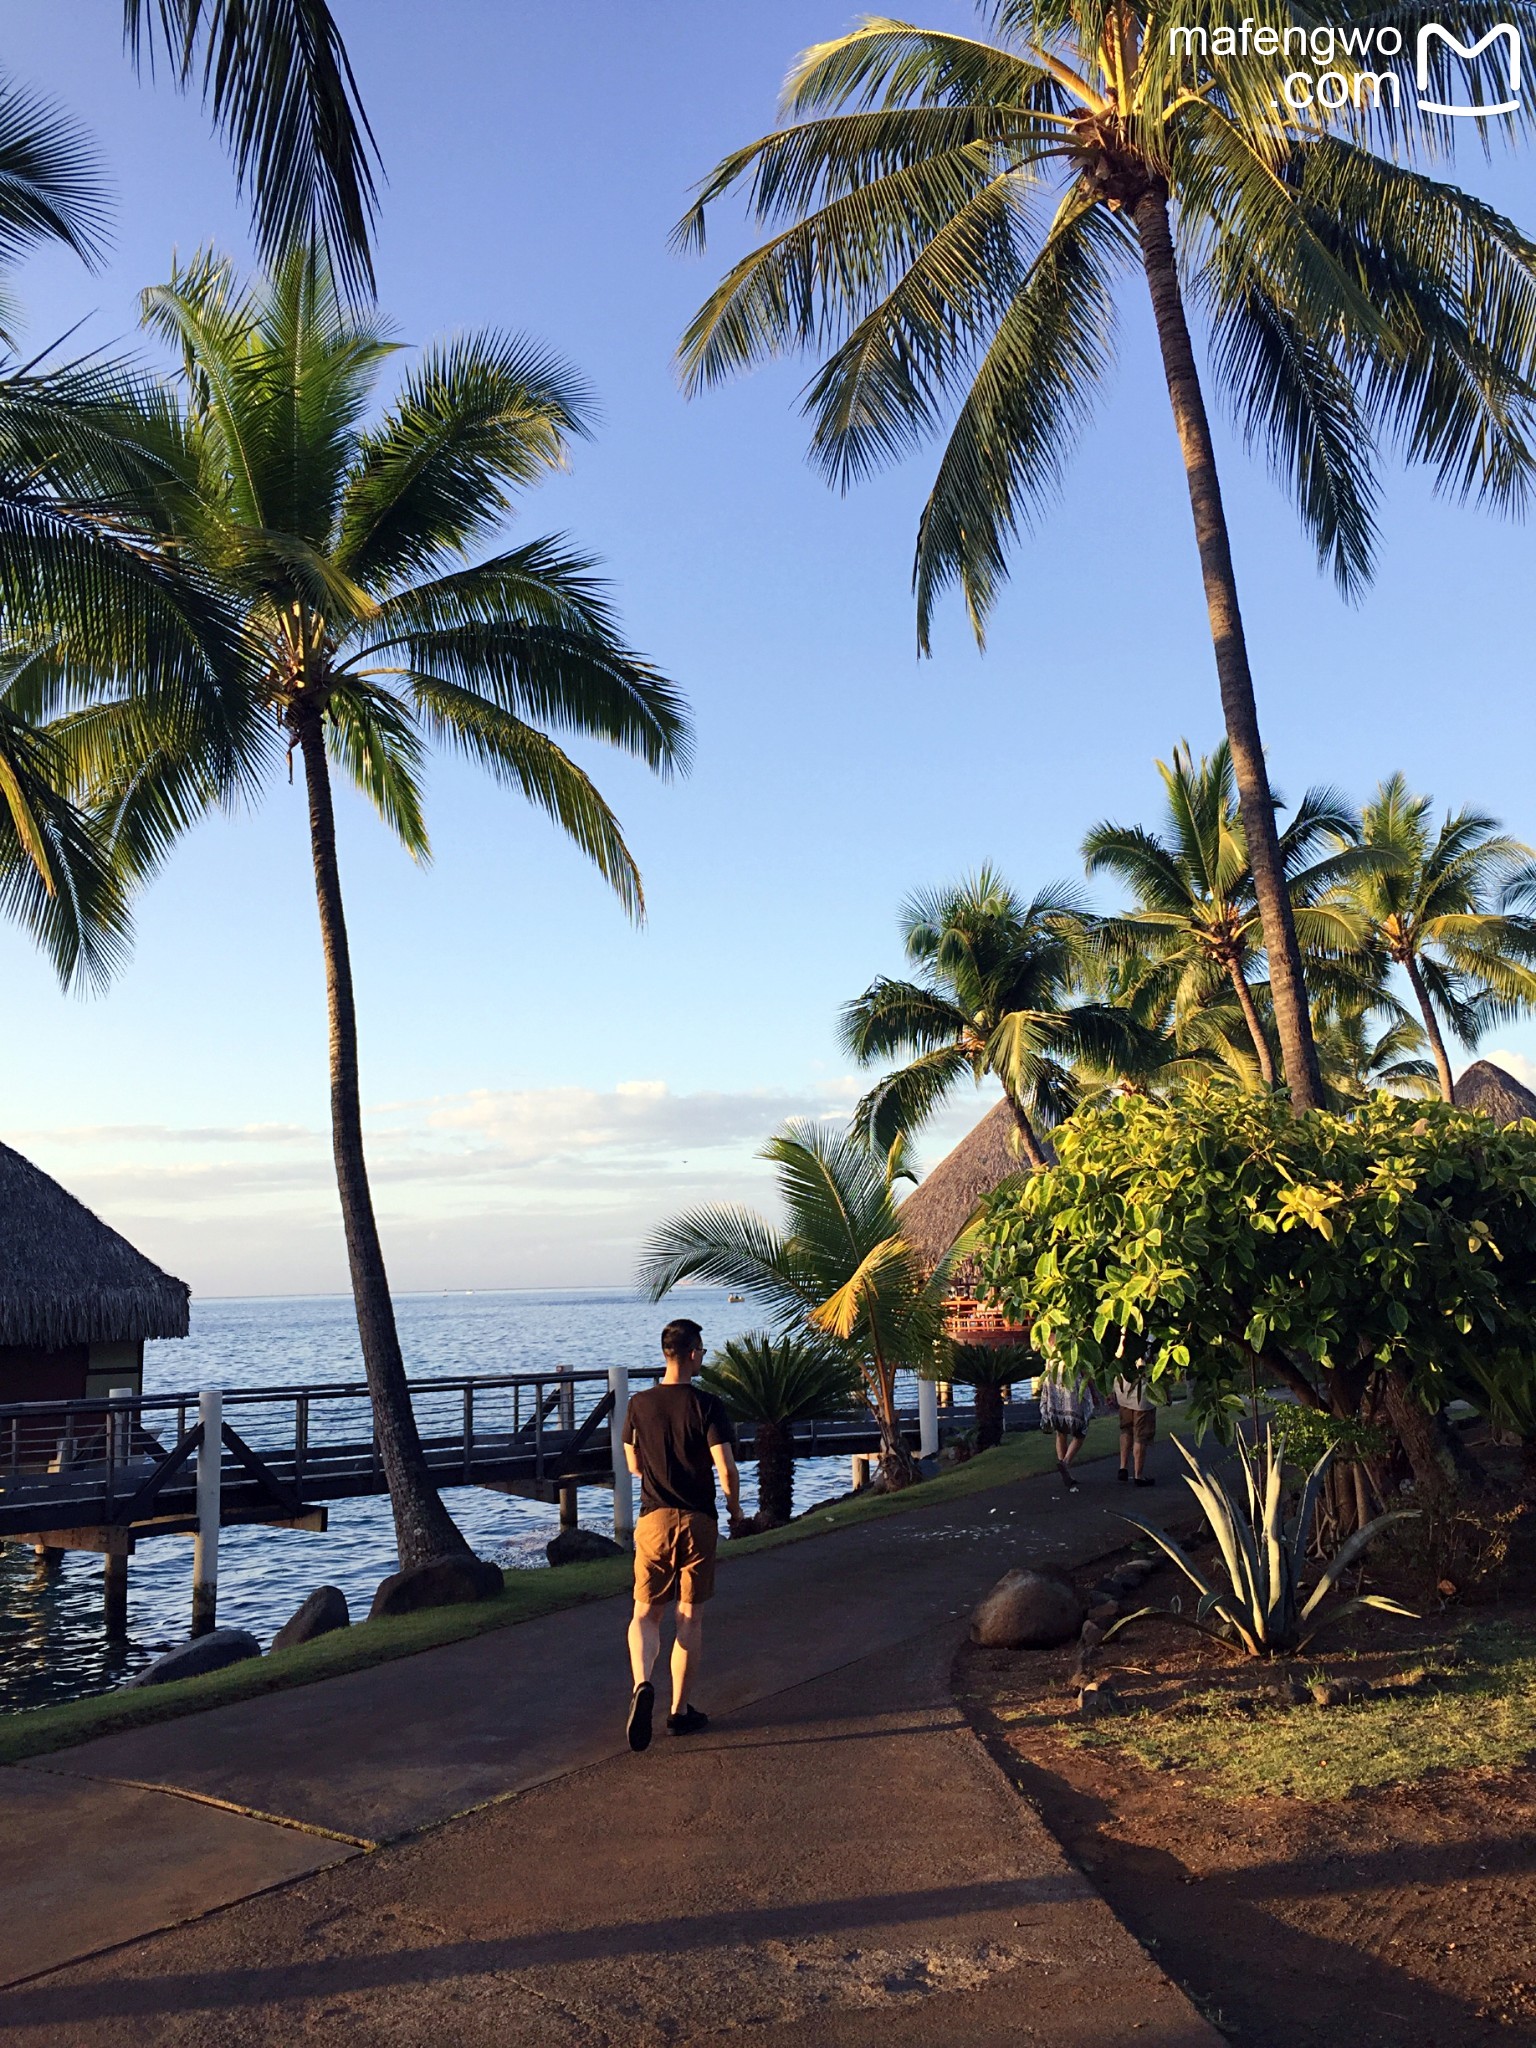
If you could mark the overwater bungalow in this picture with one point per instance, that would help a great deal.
(943, 1203)
(77, 1302)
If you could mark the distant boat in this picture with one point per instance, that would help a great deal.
(735, 1297)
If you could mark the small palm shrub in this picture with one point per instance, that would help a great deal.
(1261, 1605)
(986, 1369)
(773, 1383)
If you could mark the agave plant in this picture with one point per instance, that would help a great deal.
(1262, 1604)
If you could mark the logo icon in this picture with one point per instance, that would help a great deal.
(1505, 30)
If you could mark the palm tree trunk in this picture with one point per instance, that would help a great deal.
(896, 1462)
(1412, 1424)
(1432, 1028)
(424, 1529)
(1255, 800)
(1029, 1144)
(1250, 1010)
(989, 1413)
(775, 1447)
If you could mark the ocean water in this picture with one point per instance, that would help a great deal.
(52, 1642)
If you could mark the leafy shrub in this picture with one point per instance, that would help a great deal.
(1224, 1236)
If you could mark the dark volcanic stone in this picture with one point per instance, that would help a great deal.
(580, 1546)
(443, 1582)
(211, 1652)
(323, 1612)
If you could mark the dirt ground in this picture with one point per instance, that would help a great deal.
(1397, 1916)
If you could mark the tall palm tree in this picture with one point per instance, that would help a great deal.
(1429, 905)
(368, 630)
(953, 218)
(1197, 914)
(999, 995)
(839, 1267)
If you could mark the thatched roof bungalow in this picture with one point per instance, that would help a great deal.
(945, 1200)
(77, 1302)
(1491, 1092)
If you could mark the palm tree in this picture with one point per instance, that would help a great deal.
(1366, 1044)
(56, 876)
(839, 1267)
(996, 997)
(773, 1383)
(953, 216)
(1197, 914)
(344, 552)
(1428, 904)
(986, 1369)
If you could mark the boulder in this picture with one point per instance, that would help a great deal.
(323, 1612)
(211, 1652)
(442, 1582)
(1027, 1610)
(580, 1546)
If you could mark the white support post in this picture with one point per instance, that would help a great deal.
(205, 1547)
(623, 1483)
(122, 1425)
(858, 1471)
(927, 1419)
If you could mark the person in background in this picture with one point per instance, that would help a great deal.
(1066, 1408)
(1138, 1426)
(676, 1438)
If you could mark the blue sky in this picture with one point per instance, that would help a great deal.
(544, 1082)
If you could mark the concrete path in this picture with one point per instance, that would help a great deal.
(838, 1857)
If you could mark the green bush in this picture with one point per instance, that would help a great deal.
(1220, 1235)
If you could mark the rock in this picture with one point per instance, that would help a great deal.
(580, 1546)
(1335, 1693)
(211, 1652)
(443, 1582)
(322, 1614)
(1027, 1610)
(1091, 1637)
(1103, 1612)
(1130, 1576)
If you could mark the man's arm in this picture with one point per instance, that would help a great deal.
(631, 1460)
(730, 1479)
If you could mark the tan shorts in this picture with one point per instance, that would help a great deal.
(675, 1556)
(1139, 1424)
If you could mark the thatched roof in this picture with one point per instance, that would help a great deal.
(1491, 1092)
(65, 1278)
(941, 1205)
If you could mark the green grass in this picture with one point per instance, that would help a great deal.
(40, 1730)
(1475, 1708)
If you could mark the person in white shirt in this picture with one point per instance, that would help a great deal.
(1138, 1426)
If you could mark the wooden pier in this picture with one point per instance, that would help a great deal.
(104, 1474)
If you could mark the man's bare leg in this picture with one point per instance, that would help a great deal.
(644, 1641)
(686, 1649)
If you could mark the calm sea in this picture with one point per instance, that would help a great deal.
(52, 1644)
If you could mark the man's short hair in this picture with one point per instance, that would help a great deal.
(681, 1339)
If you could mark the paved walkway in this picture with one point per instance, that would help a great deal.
(836, 1861)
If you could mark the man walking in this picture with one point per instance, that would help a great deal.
(676, 1437)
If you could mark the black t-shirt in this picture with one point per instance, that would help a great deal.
(672, 1429)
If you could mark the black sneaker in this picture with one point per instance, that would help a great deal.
(1066, 1479)
(1146, 1481)
(639, 1729)
(1124, 1475)
(689, 1722)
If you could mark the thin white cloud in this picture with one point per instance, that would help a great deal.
(491, 1187)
